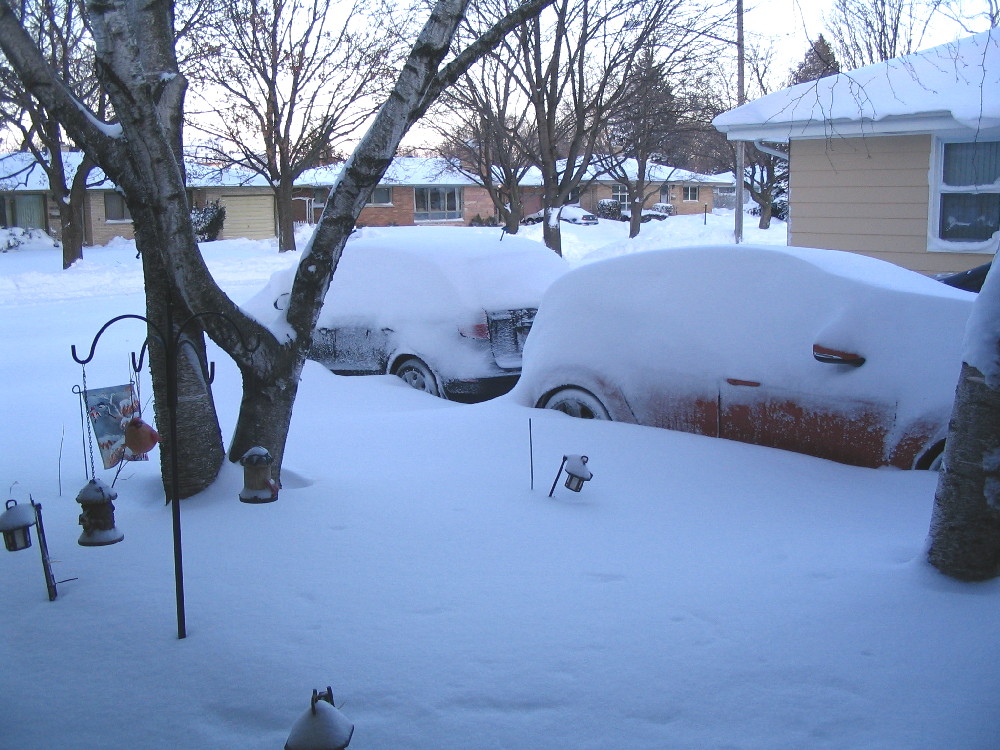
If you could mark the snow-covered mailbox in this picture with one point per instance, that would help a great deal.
(258, 487)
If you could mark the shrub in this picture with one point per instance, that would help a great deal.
(479, 221)
(608, 208)
(208, 221)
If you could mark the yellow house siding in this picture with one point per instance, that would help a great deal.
(97, 228)
(870, 196)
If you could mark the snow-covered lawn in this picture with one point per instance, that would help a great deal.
(697, 594)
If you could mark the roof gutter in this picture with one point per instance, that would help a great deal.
(759, 145)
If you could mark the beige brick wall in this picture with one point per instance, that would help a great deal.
(870, 196)
(99, 230)
(602, 190)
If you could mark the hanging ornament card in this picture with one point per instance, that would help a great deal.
(110, 411)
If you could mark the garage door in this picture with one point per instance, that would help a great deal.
(250, 216)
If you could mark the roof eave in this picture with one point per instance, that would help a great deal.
(782, 132)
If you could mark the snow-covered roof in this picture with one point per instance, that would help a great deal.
(654, 173)
(404, 170)
(945, 89)
(20, 171)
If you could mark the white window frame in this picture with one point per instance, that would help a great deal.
(686, 190)
(935, 243)
(619, 192)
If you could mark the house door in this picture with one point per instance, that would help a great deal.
(29, 211)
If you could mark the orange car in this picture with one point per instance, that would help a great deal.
(822, 352)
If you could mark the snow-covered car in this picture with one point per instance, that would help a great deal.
(822, 352)
(447, 309)
(571, 214)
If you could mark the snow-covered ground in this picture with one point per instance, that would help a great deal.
(697, 594)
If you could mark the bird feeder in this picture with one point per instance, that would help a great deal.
(576, 473)
(258, 487)
(321, 727)
(98, 516)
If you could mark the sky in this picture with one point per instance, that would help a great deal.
(789, 25)
(698, 593)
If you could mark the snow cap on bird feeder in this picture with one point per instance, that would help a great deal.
(258, 487)
(15, 523)
(321, 727)
(577, 472)
(98, 516)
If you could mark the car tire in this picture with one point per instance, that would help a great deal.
(416, 374)
(576, 402)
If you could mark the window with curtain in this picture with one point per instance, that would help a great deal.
(437, 203)
(969, 191)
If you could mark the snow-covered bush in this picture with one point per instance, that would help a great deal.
(11, 237)
(208, 221)
(608, 208)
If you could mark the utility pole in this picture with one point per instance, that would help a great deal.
(740, 101)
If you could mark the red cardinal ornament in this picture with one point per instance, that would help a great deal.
(140, 437)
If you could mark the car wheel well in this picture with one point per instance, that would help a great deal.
(931, 458)
(581, 402)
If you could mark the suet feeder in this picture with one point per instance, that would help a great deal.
(98, 516)
(321, 727)
(576, 473)
(258, 487)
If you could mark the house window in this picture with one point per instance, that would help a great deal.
(573, 198)
(115, 208)
(619, 193)
(381, 196)
(969, 191)
(690, 192)
(437, 203)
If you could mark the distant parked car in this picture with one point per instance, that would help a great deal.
(817, 351)
(445, 309)
(971, 280)
(571, 214)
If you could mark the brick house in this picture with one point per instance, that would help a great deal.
(688, 192)
(899, 160)
(414, 190)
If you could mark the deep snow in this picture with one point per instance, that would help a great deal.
(697, 594)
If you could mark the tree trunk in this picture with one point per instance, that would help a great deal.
(71, 232)
(766, 210)
(266, 408)
(551, 231)
(286, 219)
(199, 437)
(965, 526)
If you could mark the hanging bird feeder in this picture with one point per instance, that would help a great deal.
(98, 516)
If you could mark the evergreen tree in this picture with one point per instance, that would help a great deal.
(819, 62)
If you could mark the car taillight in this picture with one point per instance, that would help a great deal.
(479, 330)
